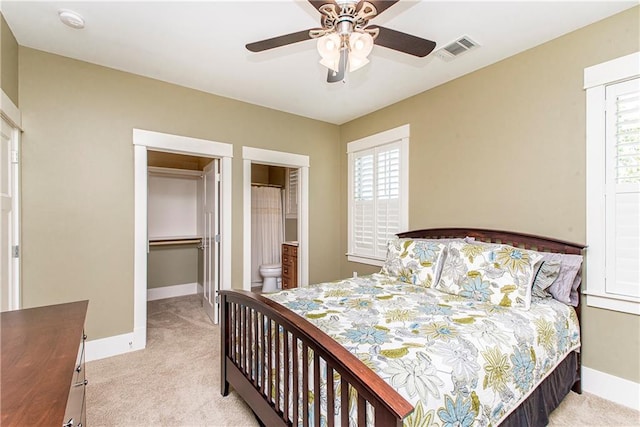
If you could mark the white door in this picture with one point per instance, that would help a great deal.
(9, 295)
(211, 239)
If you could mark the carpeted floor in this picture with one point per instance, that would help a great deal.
(175, 381)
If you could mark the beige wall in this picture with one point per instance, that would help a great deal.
(172, 265)
(77, 177)
(8, 61)
(504, 147)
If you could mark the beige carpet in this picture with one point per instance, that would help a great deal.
(175, 381)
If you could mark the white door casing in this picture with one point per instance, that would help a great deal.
(10, 298)
(210, 239)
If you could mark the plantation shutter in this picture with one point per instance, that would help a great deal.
(622, 157)
(292, 193)
(388, 197)
(376, 210)
(363, 203)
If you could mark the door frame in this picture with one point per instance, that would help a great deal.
(13, 117)
(156, 141)
(288, 160)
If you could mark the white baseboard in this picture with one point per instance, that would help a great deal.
(136, 340)
(115, 345)
(615, 389)
(172, 291)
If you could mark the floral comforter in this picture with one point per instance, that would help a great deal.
(458, 361)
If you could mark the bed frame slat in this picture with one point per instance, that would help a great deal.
(344, 403)
(305, 385)
(331, 407)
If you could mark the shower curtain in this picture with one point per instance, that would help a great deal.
(267, 231)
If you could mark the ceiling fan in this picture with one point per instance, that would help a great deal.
(345, 38)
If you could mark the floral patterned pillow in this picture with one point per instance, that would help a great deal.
(500, 274)
(417, 262)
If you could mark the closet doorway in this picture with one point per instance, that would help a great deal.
(183, 227)
(144, 140)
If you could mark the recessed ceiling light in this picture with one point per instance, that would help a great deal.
(71, 18)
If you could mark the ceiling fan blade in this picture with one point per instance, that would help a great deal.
(318, 3)
(380, 5)
(338, 76)
(279, 41)
(403, 42)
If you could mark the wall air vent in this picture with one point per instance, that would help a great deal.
(457, 48)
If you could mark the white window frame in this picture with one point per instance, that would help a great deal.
(596, 79)
(399, 135)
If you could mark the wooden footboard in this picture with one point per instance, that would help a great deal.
(257, 333)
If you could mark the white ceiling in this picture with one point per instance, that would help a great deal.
(201, 45)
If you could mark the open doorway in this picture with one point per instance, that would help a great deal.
(274, 227)
(183, 222)
(288, 162)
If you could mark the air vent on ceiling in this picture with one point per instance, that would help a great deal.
(457, 48)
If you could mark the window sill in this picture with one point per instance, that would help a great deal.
(365, 260)
(613, 302)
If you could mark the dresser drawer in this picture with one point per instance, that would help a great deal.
(290, 250)
(287, 283)
(78, 374)
(75, 412)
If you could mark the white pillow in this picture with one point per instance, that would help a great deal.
(496, 273)
(417, 262)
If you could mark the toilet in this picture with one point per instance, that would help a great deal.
(270, 274)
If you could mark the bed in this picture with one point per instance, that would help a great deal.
(464, 332)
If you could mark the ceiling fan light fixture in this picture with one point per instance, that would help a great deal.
(329, 47)
(361, 44)
(332, 64)
(355, 63)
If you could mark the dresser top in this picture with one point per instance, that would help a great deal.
(39, 350)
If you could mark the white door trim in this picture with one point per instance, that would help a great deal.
(276, 158)
(13, 288)
(13, 117)
(143, 140)
(9, 111)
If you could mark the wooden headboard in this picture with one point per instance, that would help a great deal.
(521, 240)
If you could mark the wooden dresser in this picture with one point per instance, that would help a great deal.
(42, 379)
(289, 266)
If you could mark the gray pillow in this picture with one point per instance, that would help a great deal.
(565, 284)
(545, 276)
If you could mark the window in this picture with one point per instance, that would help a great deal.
(291, 191)
(378, 193)
(613, 184)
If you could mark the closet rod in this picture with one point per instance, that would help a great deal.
(174, 242)
(255, 184)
